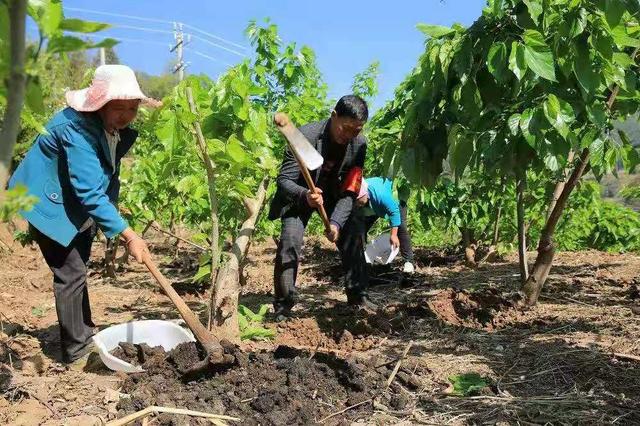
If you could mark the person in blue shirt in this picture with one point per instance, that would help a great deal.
(377, 201)
(73, 170)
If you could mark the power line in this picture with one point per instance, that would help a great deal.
(133, 27)
(137, 40)
(196, 29)
(210, 57)
(153, 30)
(120, 15)
(235, 52)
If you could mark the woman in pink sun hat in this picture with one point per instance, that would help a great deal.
(74, 171)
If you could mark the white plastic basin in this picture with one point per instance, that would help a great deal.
(152, 332)
(380, 250)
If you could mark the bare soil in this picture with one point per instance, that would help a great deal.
(569, 360)
(282, 387)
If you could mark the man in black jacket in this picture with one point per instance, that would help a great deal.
(343, 148)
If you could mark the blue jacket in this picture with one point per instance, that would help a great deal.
(381, 199)
(70, 171)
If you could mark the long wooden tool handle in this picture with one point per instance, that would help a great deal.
(312, 187)
(203, 335)
(283, 123)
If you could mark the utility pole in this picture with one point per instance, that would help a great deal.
(178, 35)
(103, 56)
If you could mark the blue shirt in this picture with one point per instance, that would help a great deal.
(381, 199)
(70, 170)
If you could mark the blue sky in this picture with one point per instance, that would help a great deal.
(346, 35)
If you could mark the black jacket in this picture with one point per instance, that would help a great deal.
(292, 189)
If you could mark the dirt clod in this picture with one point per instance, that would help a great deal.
(137, 354)
(271, 388)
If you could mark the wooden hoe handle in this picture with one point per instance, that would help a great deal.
(208, 341)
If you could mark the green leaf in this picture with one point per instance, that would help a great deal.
(80, 26)
(559, 113)
(538, 56)
(517, 63)
(257, 333)
(622, 39)
(613, 11)
(525, 123)
(597, 150)
(243, 189)
(47, 14)
(33, 96)
(240, 87)
(494, 8)
(622, 59)
(589, 137)
(66, 44)
(514, 124)
(583, 69)
(468, 384)
(106, 43)
(62, 44)
(551, 162)
(203, 274)
(497, 61)
(535, 9)
(461, 147)
(235, 149)
(39, 311)
(579, 23)
(243, 323)
(603, 43)
(263, 310)
(435, 31)
(31, 121)
(597, 114)
(168, 131)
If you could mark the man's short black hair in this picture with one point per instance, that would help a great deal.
(352, 106)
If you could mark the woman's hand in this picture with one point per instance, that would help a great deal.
(136, 245)
(393, 239)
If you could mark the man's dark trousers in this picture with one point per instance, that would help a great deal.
(350, 246)
(69, 267)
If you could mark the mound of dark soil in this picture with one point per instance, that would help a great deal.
(486, 309)
(137, 354)
(284, 387)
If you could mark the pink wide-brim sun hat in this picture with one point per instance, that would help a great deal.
(110, 82)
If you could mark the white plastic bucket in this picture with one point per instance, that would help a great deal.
(380, 250)
(152, 332)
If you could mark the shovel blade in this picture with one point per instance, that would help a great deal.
(307, 154)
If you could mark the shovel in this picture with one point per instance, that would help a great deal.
(305, 154)
(215, 351)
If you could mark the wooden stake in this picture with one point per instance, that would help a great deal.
(397, 367)
(155, 410)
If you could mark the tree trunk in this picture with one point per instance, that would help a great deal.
(546, 249)
(210, 167)
(521, 186)
(559, 187)
(111, 248)
(496, 227)
(223, 309)
(469, 247)
(15, 89)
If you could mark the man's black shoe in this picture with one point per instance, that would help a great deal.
(281, 317)
(364, 303)
(282, 312)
